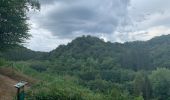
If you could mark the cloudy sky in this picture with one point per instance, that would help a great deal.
(60, 21)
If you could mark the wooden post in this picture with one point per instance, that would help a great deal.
(18, 91)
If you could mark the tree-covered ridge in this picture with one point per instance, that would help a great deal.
(134, 55)
(89, 50)
(20, 53)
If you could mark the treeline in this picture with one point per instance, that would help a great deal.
(20, 53)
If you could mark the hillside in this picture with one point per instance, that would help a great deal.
(9, 77)
(89, 50)
(134, 55)
(7, 88)
(20, 53)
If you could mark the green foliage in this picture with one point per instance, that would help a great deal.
(160, 80)
(39, 67)
(2, 61)
(99, 85)
(117, 94)
(13, 23)
(139, 98)
(54, 87)
(117, 75)
(142, 86)
(87, 76)
(20, 53)
(60, 89)
(90, 53)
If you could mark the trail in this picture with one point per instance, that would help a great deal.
(8, 78)
(7, 89)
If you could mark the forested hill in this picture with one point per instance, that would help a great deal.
(94, 52)
(20, 53)
(88, 50)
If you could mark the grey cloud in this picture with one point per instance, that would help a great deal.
(46, 1)
(49, 2)
(147, 10)
(85, 16)
(114, 20)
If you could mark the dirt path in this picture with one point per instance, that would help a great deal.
(8, 78)
(7, 89)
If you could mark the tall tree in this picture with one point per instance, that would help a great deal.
(160, 80)
(13, 21)
(142, 86)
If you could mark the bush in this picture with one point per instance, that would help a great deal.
(160, 80)
(39, 67)
(2, 61)
(61, 90)
(99, 85)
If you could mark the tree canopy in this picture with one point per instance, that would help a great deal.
(13, 21)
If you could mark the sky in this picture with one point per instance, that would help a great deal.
(60, 21)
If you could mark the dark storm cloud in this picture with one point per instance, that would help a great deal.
(69, 17)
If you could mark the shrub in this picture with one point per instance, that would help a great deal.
(2, 61)
(39, 67)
